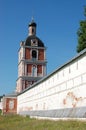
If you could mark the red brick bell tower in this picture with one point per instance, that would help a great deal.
(32, 60)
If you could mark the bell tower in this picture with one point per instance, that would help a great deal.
(32, 60)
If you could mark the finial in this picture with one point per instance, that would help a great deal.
(32, 23)
(32, 19)
(32, 16)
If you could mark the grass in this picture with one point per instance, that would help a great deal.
(25, 123)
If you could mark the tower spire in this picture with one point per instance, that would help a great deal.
(32, 27)
(32, 19)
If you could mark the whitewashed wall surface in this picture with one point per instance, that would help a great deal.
(60, 94)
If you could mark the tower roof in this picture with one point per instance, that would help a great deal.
(33, 37)
(32, 23)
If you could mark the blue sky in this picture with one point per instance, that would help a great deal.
(57, 25)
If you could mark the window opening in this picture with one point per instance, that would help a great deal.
(34, 71)
(34, 54)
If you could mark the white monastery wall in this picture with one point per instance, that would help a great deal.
(65, 88)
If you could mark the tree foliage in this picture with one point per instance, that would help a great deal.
(82, 34)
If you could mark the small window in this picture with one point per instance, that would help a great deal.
(32, 30)
(34, 54)
(34, 42)
(34, 71)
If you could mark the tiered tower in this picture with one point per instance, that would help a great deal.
(32, 60)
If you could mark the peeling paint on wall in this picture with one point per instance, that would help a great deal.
(72, 99)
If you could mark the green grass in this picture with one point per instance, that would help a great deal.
(25, 123)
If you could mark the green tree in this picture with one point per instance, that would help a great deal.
(82, 34)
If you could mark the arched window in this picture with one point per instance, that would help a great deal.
(34, 71)
(34, 54)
